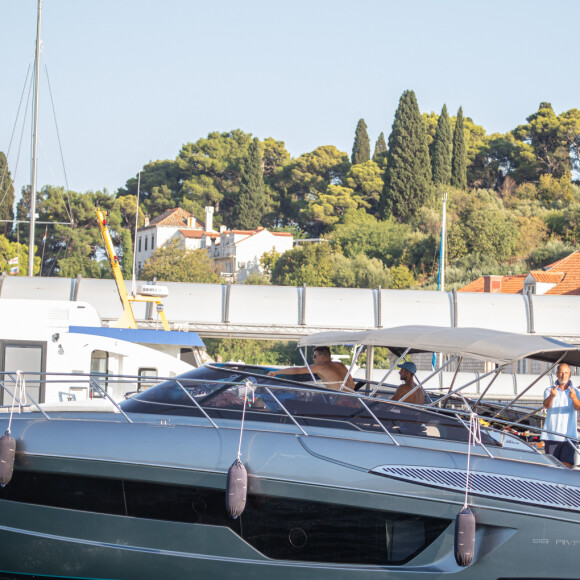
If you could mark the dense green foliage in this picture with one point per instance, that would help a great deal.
(171, 263)
(408, 175)
(361, 149)
(513, 204)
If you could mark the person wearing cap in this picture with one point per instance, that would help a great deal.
(407, 374)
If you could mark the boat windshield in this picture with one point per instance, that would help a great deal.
(223, 392)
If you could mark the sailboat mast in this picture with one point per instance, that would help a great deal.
(34, 145)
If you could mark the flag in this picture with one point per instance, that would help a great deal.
(14, 270)
(44, 237)
(13, 261)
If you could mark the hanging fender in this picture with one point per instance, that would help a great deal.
(236, 489)
(464, 537)
(7, 453)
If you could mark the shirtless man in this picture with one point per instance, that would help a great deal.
(407, 374)
(331, 373)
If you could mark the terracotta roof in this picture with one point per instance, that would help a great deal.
(547, 277)
(570, 267)
(564, 274)
(509, 284)
(191, 233)
(286, 234)
(176, 218)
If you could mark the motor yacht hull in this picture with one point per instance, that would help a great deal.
(169, 520)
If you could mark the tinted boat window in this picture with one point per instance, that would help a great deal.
(281, 528)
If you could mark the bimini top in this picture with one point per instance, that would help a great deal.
(479, 343)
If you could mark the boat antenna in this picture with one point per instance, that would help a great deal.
(34, 144)
(134, 283)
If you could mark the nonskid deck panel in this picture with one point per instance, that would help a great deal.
(507, 487)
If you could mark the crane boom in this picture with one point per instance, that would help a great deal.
(127, 319)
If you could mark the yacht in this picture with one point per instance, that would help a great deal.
(57, 336)
(326, 484)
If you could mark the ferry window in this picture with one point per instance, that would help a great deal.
(29, 358)
(99, 370)
(145, 373)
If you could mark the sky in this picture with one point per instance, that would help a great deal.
(132, 81)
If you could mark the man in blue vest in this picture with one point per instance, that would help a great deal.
(562, 402)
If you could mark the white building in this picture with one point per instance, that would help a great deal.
(174, 224)
(237, 253)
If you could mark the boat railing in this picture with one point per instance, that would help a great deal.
(303, 406)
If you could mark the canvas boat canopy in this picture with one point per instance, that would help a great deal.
(478, 343)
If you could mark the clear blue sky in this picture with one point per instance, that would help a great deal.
(133, 80)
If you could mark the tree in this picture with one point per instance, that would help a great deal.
(380, 147)
(408, 173)
(361, 149)
(309, 264)
(247, 213)
(159, 187)
(459, 158)
(362, 234)
(366, 182)
(10, 250)
(302, 181)
(171, 263)
(442, 150)
(6, 195)
(212, 173)
(549, 139)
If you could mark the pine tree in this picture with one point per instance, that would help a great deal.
(459, 158)
(361, 149)
(408, 183)
(251, 204)
(380, 147)
(442, 150)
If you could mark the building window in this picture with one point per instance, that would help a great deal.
(145, 244)
(152, 242)
(139, 243)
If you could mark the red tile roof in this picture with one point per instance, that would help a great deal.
(564, 273)
(547, 277)
(176, 217)
(509, 284)
(191, 233)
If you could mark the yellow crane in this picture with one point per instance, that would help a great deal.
(127, 319)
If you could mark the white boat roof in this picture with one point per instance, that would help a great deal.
(479, 343)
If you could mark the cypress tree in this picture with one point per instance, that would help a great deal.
(408, 183)
(380, 147)
(251, 205)
(361, 149)
(442, 149)
(459, 158)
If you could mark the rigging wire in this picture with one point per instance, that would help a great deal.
(13, 132)
(26, 80)
(68, 208)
